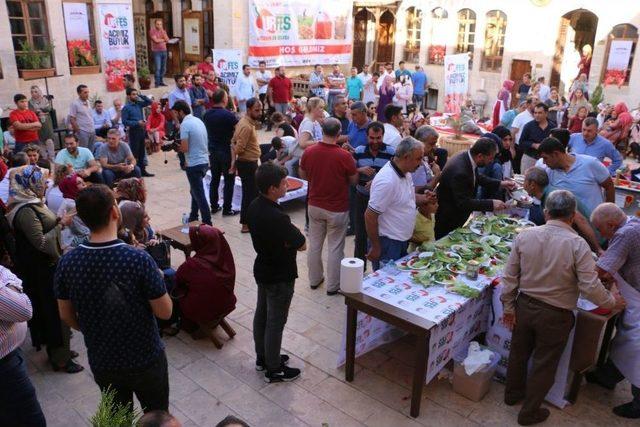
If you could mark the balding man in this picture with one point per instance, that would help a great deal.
(622, 258)
(549, 266)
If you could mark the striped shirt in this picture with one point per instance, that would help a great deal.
(15, 310)
(365, 158)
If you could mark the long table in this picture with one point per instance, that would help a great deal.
(391, 305)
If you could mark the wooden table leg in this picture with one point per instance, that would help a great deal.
(419, 373)
(606, 340)
(352, 323)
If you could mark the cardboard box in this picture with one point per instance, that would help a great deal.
(473, 387)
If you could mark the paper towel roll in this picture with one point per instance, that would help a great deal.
(351, 272)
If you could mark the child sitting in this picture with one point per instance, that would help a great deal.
(575, 124)
(423, 231)
(278, 152)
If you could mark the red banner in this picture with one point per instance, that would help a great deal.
(298, 50)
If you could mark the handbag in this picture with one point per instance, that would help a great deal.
(161, 254)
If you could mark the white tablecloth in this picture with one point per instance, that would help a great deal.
(237, 191)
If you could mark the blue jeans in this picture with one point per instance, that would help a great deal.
(109, 176)
(195, 174)
(19, 404)
(390, 250)
(418, 100)
(160, 61)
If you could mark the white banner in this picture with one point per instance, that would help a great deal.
(227, 63)
(76, 24)
(619, 54)
(456, 82)
(300, 32)
(117, 43)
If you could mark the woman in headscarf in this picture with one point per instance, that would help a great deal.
(618, 129)
(77, 232)
(155, 126)
(42, 107)
(54, 197)
(502, 102)
(205, 282)
(387, 92)
(136, 221)
(404, 92)
(37, 232)
(506, 150)
(132, 189)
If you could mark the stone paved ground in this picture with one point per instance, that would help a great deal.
(207, 384)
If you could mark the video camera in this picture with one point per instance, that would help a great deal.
(171, 142)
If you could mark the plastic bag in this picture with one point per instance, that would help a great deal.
(477, 358)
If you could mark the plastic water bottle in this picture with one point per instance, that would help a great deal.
(185, 223)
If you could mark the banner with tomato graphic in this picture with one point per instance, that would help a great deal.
(117, 43)
(300, 32)
(76, 24)
(227, 63)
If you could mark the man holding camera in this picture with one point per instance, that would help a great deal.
(194, 142)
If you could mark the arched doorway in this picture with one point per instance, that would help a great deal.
(577, 30)
(386, 37)
(363, 37)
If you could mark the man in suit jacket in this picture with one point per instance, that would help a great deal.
(459, 185)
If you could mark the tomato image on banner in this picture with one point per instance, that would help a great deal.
(117, 42)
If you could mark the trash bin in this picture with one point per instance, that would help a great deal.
(476, 386)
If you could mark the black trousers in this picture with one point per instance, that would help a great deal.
(220, 163)
(272, 310)
(360, 247)
(151, 386)
(247, 174)
(540, 334)
(136, 143)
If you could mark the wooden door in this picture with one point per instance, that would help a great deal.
(386, 38)
(518, 68)
(558, 55)
(359, 39)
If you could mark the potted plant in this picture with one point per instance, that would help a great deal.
(82, 59)
(144, 78)
(456, 142)
(110, 413)
(34, 64)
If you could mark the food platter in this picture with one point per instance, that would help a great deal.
(484, 242)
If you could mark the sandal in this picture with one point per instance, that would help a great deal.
(70, 367)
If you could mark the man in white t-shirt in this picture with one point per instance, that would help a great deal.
(394, 122)
(262, 77)
(391, 214)
(516, 129)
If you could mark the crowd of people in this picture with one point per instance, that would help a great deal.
(374, 171)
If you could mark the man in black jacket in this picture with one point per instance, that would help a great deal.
(276, 241)
(459, 185)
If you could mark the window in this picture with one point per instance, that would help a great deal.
(494, 40)
(29, 32)
(412, 46)
(466, 33)
(438, 46)
(621, 48)
(207, 14)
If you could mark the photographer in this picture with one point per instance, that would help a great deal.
(194, 142)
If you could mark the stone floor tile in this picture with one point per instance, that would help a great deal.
(311, 375)
(382, 389)
(211, 377)
(432, 414)
(298, 344)
(441, 392)
(243, 367)
(373, 359)
(306, 406)
(180, 385)
(397, 372)
(350, 400)
(256, 409)
(180, 354)
(386, 417)
(324, 335)
(204, 409)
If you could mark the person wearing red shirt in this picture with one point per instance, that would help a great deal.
(330, 170)
(210, 86)
(280, 91)
(205, 67)
(159, 39)
(26, 123)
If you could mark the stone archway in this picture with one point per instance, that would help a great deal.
(364, 26)
(577, 29)
(386, 37)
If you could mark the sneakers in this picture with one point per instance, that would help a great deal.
(628, 410)
(284, 374)
(284, 360)
(230, 212)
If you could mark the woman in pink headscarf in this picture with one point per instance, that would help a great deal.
(502, 102)
(387, 92)
(618, 129)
